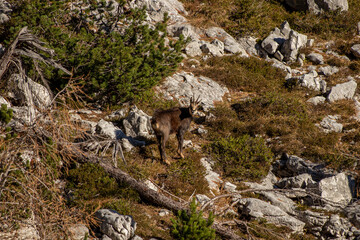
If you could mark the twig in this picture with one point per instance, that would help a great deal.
(271, 190)
(180, 199)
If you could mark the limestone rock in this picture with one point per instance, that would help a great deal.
(193, 49)
(333, 5)
(290, 48)
(299, 181)
(337, 189)
(259, 209)
(211, 177)
(329, 124)
(316, 58)
(336, 227)
(185, 29)
(312, 81)
(355, 49)
(290, 166)
(212, 49)
(137, 124)
(78, 232)
(115, 225)
(328, 70)
(353, 213)
(202, 199)
(342, 91)
(3, 101)
(317, 100)
(249, 44)
(108, 129)
(317, 6)
(156, 9)
(182, 86)
(25, 232)
(230, 44)
(5, 10)
(28, 93)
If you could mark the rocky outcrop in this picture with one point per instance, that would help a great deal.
(284, 43)
(318, 6)
(26, 92)
(157, 8)
(312, 81)
(213, 178)
(258, 209)
(342, 91)
(5, 10)
(114, 225)
(329, 124)
(78, 232)
(182, 86)
(137, 124)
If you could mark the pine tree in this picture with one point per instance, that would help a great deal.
(192, 226)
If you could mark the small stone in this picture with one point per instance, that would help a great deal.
(163, 212)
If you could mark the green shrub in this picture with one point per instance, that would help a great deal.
(115, 67)
(242, 157)
(89, 181)
(192, 226)
(5, 114)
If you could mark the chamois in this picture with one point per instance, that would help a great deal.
(175, 120)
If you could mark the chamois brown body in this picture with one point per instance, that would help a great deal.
(175, 120)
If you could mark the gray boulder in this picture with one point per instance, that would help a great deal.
(24, 232)
(28, 93)
(249, 44)
(314, 220)
(329, 124)
(338, 189)
(185, 29)
(5, 10)
(333, 5)
(182, 86)
(3, 101)
(317, 6)
(290, 166)
(156, 8)
(316, 58)
(355, 49)
(193, 49)
(137, 124)
(317, 100)
(202, 199)
(108, 129)
(328, 70)
(352, 212)
(290, 48)
(342, 91)
(272, 42)
(300, 181)
(258, 209)
(312, 81)
(115, 225)
(336, 227)
(78, 232)
(230, 44)
(211, 177)
(212, 49)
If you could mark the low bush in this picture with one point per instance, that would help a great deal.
(192, 225)
(5, 114)
(242, 157)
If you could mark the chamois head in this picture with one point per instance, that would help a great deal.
(194, 104)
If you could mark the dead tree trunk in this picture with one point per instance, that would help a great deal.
(145, 192)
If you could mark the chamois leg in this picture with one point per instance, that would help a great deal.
(180, 137)
(162, 142)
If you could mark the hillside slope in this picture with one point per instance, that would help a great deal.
(272, 153)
